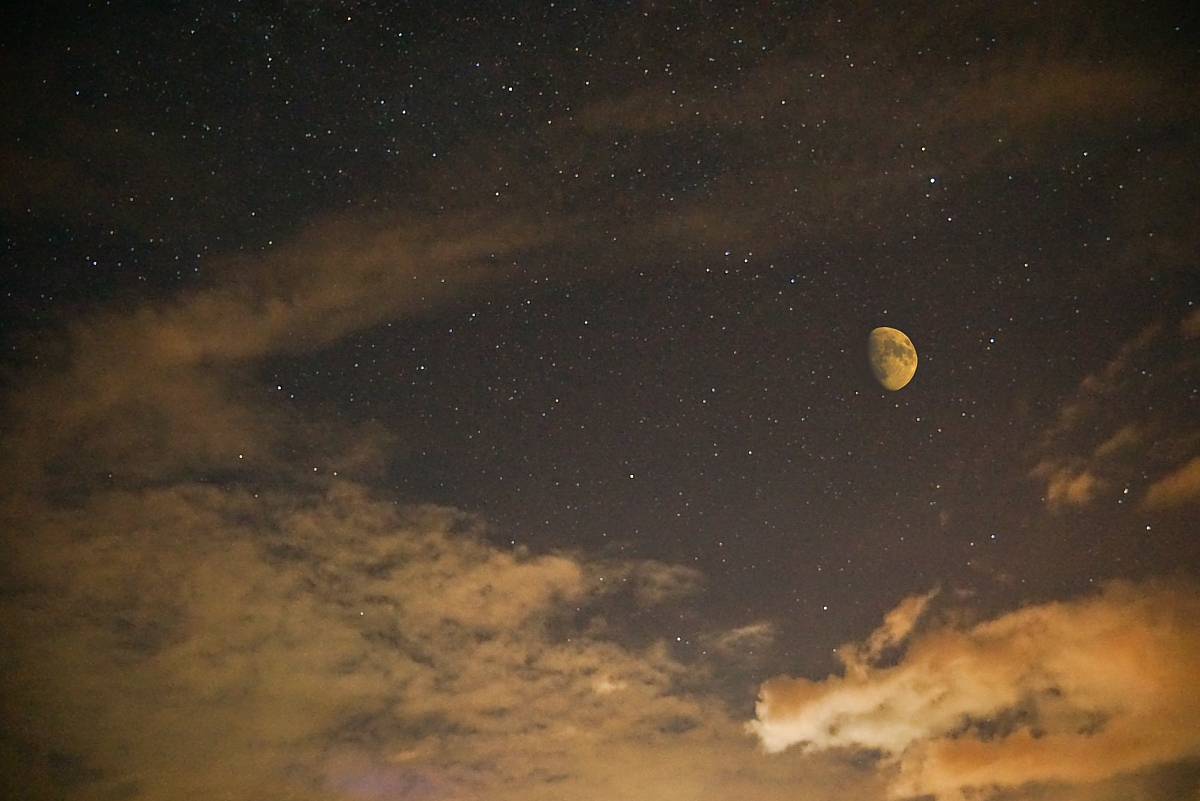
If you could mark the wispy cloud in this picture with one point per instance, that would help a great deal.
(1125, 421)
(161, 392)
(1177, 488)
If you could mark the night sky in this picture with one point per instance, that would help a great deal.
(472, 401)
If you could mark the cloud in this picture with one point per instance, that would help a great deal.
(165, 391)
(1177, 488)
(170, 635)
(1067, 485)
(166, 638)
(196, 642)
(220, 623)
(1073, 692)
(657, 582)
(1128, 420)
(897, 625)
(737, 642)
(1125, 437)
(1190, 326)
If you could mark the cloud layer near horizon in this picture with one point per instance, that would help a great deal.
(1075, 692)
(194, 642)
(167, 635)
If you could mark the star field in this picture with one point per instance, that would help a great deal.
(495, 382)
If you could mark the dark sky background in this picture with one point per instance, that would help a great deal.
(349, 348)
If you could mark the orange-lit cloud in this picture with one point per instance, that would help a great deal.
(1073, 692)
(209, 643)
(897, 625)
(1190, 326)
(1179, 487)
(1122, 424)
(1067, 485)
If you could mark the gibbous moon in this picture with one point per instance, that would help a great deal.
(893, 357)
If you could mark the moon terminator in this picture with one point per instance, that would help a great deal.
(893, 357)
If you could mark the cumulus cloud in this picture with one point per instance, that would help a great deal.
(1072, 692)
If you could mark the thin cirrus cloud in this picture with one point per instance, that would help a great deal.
(1070, 693)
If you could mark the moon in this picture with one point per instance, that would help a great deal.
(893, 357)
